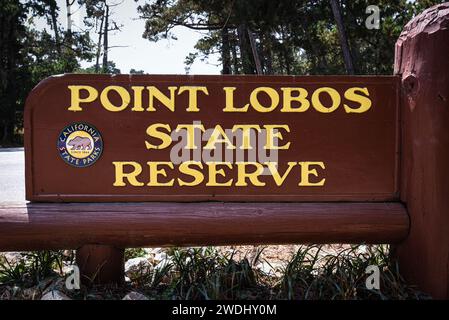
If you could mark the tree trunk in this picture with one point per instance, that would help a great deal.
(287, 60)
(54, 22)
(235, 60)
(10, 86)
(268, 55)
(69, 18)
(342, 36)
(225, 54)
(244, 49)
(285, 52)
(5, 135)
(105, 39)
(98, 53)
(256, 57)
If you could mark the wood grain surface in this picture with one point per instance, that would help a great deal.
(36, 226)
(359, 151)
(422, 60)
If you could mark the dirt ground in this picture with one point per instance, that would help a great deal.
(276, 254)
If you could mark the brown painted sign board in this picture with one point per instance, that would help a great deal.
(91, 138)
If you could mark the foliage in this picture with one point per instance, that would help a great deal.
(312, 273)
(282, 37)
(109, 69)
(31, 268)
(134, 71)
(28, 56)
(99, 19)
(205, 273)
(131, 253)
(292, 37)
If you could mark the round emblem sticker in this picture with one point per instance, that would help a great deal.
(80, 145)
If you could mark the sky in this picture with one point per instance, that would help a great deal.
(163, 57)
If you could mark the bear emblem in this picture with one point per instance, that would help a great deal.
(80, 143)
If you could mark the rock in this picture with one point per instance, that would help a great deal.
(152, 251)
(31, 293)
(362, 249)
(13, 258)
(55, 295)
(67, 253)
(264, 267)
(136, 264)
(270, 269)
(134, 268)
(133, 295)
(51, 283)
(16, 289)
(162, 264)
(160, 256)
(6, 294)
(156, 255)
(67, 269)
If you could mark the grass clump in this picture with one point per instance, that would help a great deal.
(314, 274)
(28, 268)
(207, 273)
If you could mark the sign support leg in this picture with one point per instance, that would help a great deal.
(100, 264)
(422, 60)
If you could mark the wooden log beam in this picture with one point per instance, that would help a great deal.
(36, 226)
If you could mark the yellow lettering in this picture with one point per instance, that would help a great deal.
(75, 96)
(155, 173)
(334, 95)
(120, 175)
(271, 134)
(153, 131)
(252, 176)
(364, 101)
(306, 172)
(193, 97)
(274, 97)
(229, 91)
(273, 167)
(213, 172)
(124, 96)
(218, 136)
(246, 134)
(169, 102)
(304, 104)
(190, 129)
(137, 98)
(198, 176)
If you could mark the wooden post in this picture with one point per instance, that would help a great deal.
(100, 264)
(422, 59)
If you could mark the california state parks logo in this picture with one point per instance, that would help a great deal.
(80, 144)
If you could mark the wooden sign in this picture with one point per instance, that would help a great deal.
(224, 138)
